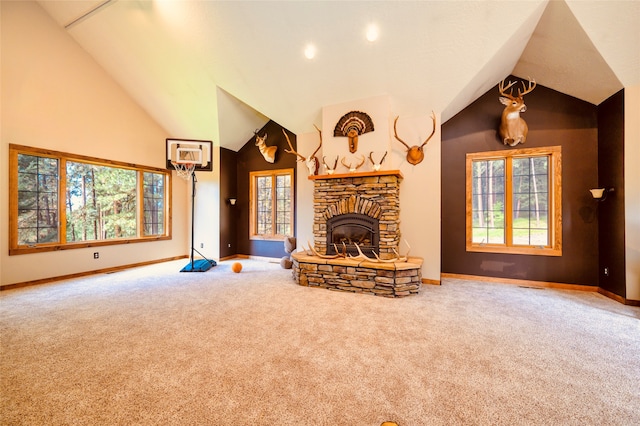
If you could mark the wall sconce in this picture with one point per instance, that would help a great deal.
(232, 201)
(600, 194)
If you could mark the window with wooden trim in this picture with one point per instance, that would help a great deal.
(154, 203)
(271, 199)
(61, 201)
(514, 201)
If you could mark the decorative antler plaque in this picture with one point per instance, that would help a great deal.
(352, 125)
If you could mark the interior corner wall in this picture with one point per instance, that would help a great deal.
(553, 119)
(249, 160)
(632, 191)
(55, 96)
(611, 219)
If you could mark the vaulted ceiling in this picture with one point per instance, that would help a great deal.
(220, 69)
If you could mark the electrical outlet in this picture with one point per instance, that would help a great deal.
(606, 272)
(96, 255)
(229, 245)
(201, 245)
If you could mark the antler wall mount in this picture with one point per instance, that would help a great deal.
(415, 154)
(378, 165)
(330, 170)
(312, 162)
(353, 167)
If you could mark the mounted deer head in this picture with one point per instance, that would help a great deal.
(330, 170)
(268, 152)
(415, 154)
(376, 166)
(312, 162)
(513, 129)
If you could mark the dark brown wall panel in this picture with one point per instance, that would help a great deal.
(610, 212)
(228, 189)
(250, 159)
(554, 119)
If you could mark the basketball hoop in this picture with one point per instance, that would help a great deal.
(184, 170)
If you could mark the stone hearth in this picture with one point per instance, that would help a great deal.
(390, 279)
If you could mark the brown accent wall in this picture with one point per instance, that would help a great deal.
(249, 159)
(611, 221)
(228, 189)
(553, 119)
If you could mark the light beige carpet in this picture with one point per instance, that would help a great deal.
(154, 346)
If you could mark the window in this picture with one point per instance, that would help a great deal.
(271, 204)
(100, 202)
(61, 201)
(37, 200)
(153, 206)
(514, 202)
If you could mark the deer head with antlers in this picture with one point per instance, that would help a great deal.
(415, 154)
(513, 129)
(312, 162)
(268, 152)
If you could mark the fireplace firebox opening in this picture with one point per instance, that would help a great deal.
(347, 230)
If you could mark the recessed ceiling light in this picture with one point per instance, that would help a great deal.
(372, 32)
(310, 51)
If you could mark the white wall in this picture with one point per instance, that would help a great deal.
(207, 210)
(306, 143)
(378, 141)
(55, 96)
(419, 190)
(632, 190)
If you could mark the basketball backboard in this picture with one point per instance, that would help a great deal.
(191, 151)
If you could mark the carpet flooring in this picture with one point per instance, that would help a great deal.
(151, 346)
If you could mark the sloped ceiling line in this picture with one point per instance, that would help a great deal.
(441, 54)
(88, 14)
(561, 56)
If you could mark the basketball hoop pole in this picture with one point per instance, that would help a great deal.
(193, 214)
(185, 156)
(204, 264)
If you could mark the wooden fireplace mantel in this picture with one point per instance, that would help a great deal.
(396, 173)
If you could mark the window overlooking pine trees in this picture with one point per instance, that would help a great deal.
(100, 202)
(271, 204)
(38, 179)
(514, 201)
(59, 200)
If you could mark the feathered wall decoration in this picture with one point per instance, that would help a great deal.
(352, 125)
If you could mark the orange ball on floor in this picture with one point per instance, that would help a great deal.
(236, 267)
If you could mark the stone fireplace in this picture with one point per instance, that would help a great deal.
(359, 198)
(364, 209)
